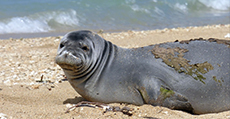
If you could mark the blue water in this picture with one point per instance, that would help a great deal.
(49, 16)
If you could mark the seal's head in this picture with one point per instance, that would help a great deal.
(78, 53)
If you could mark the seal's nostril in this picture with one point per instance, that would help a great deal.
(65, 55)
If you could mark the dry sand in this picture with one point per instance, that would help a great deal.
(31, 84)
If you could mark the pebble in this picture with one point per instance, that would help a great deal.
(24, 62)
(3, 116)
(165, 112)
(227, 36)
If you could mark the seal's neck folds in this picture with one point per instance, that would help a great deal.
(93, 73)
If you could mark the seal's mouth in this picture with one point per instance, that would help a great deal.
(66, 60)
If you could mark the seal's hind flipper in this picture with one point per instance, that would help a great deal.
(173, 100)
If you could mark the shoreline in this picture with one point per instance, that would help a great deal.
(59, 33)
(32, 85)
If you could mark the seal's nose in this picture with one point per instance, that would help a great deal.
(69, 54)
(65, 54)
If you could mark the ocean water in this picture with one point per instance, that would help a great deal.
(59, 16)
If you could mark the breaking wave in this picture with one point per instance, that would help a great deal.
(111, 15)
(40, 22)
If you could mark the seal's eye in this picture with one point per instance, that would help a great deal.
(61, 45)
(85, 48)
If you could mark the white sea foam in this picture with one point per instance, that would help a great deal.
(158, 11)
(23, 24)
(69, 18)
(137, 8)
(217, 4)
(130, 1)
(40, 22)
(181, 7)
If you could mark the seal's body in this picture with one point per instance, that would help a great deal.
(190, 75)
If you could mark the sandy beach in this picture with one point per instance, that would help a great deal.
(32, 85)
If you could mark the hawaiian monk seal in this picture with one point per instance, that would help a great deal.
(190, 75)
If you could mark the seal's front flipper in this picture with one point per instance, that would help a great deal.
(173, 100)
